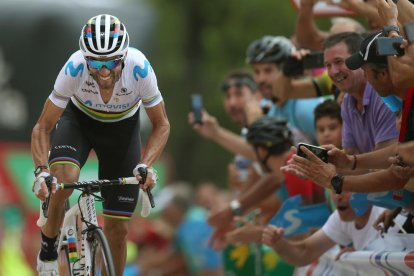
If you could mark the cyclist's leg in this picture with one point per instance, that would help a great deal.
(69, 150)
(64, 173)
(118, 155)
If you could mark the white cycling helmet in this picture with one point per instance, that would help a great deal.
(104, 36)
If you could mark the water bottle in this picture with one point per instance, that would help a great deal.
(71, 239)
(242, 166)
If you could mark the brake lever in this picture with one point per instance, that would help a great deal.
(45, 204)
(143, 172)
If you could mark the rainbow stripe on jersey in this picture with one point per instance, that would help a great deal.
(106, 116)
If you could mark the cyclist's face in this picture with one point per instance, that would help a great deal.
(265, 75)
(349, 81)
(106, 78)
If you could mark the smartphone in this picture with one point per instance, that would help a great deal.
(313, 60)
(389, 46)
(294, 67)
(197, 108)
(409, 31)
(321, 153)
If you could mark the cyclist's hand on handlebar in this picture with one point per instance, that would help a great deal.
(40, 188)
(150, 178)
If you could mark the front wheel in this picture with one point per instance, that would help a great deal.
(101, 256)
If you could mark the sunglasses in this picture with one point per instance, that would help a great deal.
(109, 64)
(238, 83)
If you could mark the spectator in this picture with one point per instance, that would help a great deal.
(271, 140)
(192, 231)
(328, 125)
(343, 227)
(267, 56)
(368, 123)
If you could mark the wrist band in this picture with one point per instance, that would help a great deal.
(355, 163)
(39, 169)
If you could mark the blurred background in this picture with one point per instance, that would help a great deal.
(191, 46)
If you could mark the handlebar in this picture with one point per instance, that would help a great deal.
(97, 183)
(91, 185)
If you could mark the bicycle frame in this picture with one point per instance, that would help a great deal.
(86, 211)
(86, 207)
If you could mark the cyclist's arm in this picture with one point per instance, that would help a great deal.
(159, 134)
(40, 143)
(300, 253)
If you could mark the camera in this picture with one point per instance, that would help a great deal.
(409, 31)
(294, 67)
(389, 46)
(321, 153)
(197, 108)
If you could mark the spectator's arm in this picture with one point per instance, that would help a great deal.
(369, 11)
(377, 159)
(405, 11)
(298, 253)
(307, 33)
(401, 71)
(234, 143)
(385, 144)
(378, 181)
(249, 199)
(211, 129)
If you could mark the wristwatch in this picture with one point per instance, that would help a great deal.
(236, 208)
(337, 182)
(387, 29)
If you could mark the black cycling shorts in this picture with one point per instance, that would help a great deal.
(117, 146)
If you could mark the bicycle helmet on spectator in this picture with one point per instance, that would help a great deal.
(104, 36)
(269, 49)
(271, 133)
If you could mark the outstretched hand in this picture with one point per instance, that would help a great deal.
(247, 233)
(272, 235)
(311, 168)
(209, 126)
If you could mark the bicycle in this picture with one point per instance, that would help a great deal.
(83, 248)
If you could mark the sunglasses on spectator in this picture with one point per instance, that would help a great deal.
(98, 64)
(238, 83)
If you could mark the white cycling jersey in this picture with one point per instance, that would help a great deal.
(137, 84)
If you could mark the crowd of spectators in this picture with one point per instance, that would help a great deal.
(356, 106)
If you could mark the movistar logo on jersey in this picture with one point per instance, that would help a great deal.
(74, 71)
(142, 72)
(113, 106)
(88, 103)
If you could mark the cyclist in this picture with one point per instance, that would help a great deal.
(95, 105)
